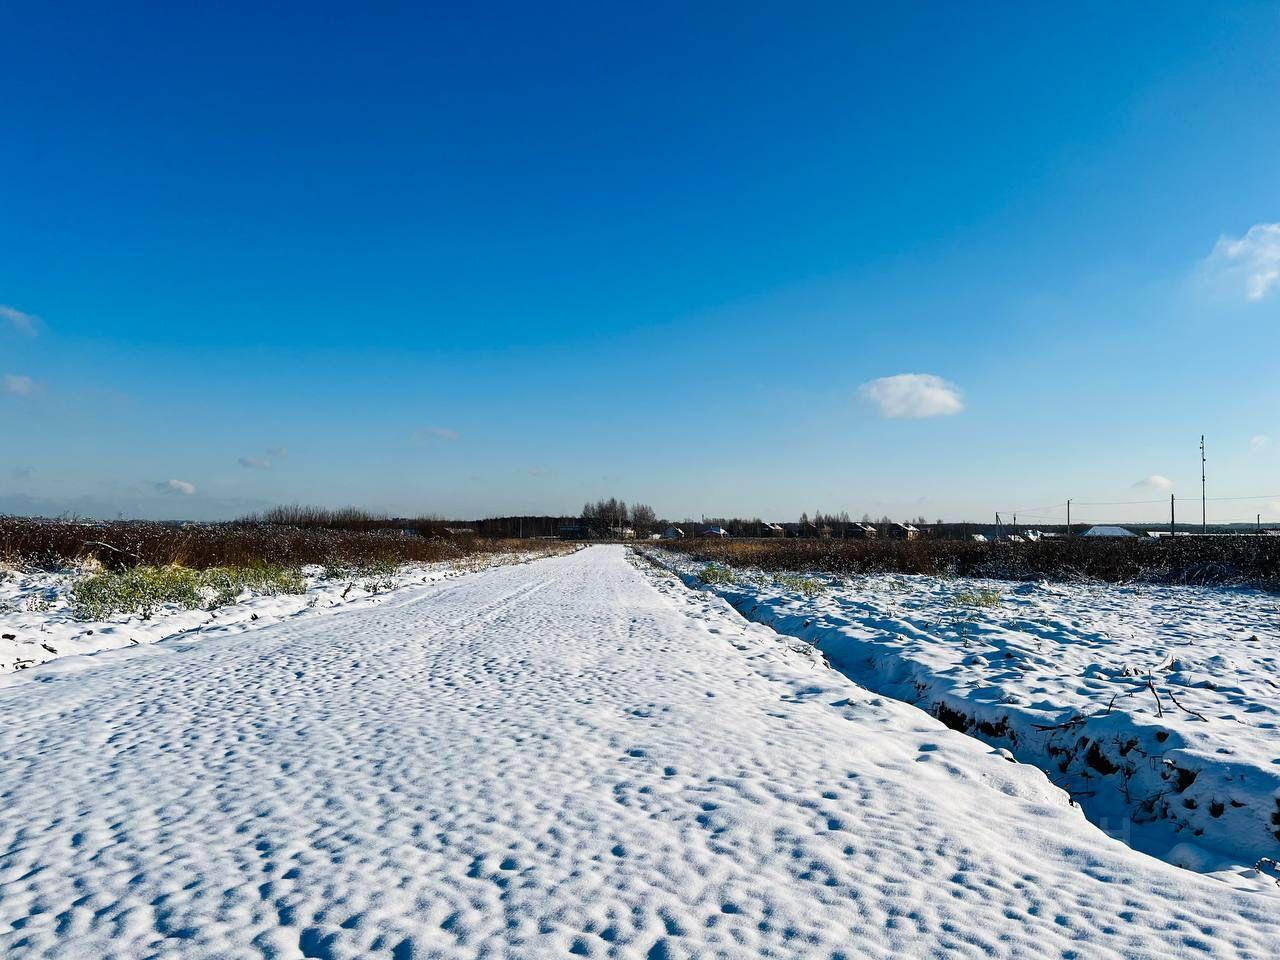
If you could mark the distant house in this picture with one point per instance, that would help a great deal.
(622, 533)
(902, 531)
(772, 530)
(977, 538)
(719, 532)
(1105, 530)
(807, 531)
(673, 533)
(861, 531)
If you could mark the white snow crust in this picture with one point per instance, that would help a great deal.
(1161, 703)
(573, 757)
(38, 624)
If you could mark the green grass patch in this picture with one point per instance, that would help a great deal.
(144, 589)
(809, 586)
(978, 598)
(715, 574)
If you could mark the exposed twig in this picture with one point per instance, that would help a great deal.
(1199, 716)
(1065, 725)
(1152, 687)
(99, 543)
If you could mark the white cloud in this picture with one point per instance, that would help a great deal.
(1259, 442)
(1155, 482)
(1251, 262)
(17, 384)
(438, 433)
(913, 395)
(175, 486)
(22, 322)
(255, 463)
(280, 453)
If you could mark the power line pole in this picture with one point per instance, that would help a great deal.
(1068, 518)
(1204, 522)
(1172, 532)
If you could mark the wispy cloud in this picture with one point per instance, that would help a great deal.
(18, 385)
(22, 473)
(27, 323)
(1155, 482)
(913, 395)
(175, 486)
(539, 472)
(1259, 442)
(438, 433)
(1251, 262)
(263, 462)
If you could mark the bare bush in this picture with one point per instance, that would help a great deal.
(121, 545)
(1229, 560)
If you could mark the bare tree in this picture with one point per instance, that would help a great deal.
(643, 519)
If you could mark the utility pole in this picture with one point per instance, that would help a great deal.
(1068, 518)
(1171, 528)
(1204, 521)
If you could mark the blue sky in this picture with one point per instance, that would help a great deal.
(477, 262)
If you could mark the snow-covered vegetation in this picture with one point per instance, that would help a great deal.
(574, 757)
(1157, 707)
(47, 614)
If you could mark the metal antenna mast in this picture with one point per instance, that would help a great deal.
(1204, 523)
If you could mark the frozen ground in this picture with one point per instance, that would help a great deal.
(37, 624)
(1157, 706)
(571, 757)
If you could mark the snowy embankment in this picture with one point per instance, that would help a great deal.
(39, 622)
(574, 757)
(1157, 707)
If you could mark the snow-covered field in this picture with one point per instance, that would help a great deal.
(38, 624)
(1157, 706)
(577, 756)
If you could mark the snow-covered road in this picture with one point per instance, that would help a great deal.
(575, 756)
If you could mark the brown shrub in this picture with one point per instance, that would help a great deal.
(1246, 560)
(122, 544)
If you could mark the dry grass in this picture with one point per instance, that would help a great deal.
(1236, 560)
(122, 545)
